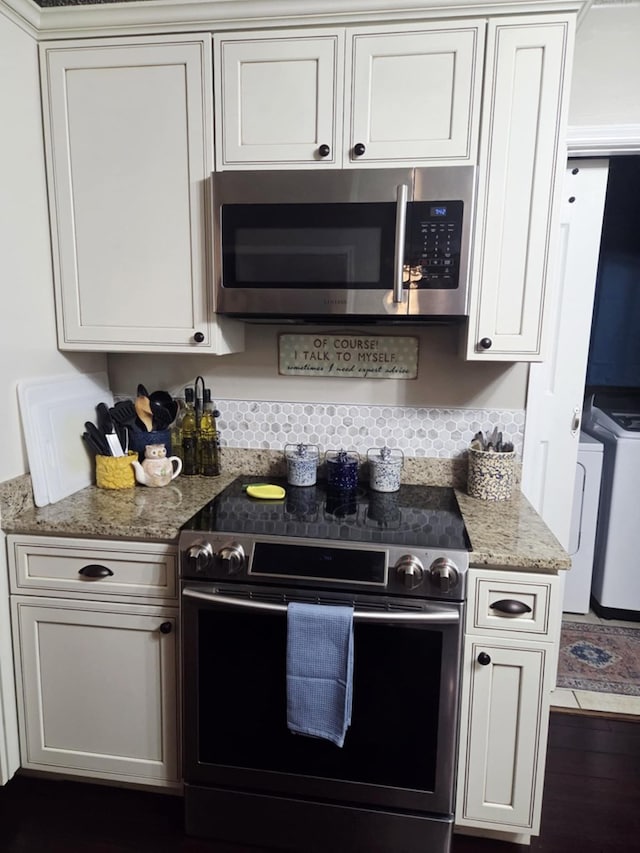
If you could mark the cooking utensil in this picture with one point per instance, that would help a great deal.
(163, 409)
(123, 437)
(143, 408)
(92, 444)
(97, 438)
(493, 442)
(107, 427)
(123, 412)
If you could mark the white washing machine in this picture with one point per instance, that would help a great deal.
(614, 419)
(584, 518)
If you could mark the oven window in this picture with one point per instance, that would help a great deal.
(308, 245)
(393, 736)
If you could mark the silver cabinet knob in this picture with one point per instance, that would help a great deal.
(410, 570)
(444, 573)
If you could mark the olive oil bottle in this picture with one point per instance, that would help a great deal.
(208, 444)
(189, 434)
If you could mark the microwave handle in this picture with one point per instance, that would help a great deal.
(401, 229)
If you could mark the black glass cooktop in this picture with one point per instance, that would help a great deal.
(422, 516)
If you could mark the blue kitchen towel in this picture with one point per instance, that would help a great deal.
(319, 670)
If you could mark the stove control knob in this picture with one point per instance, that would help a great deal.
(200, 556)
(410, 571)
(232, 558)
(444, 573)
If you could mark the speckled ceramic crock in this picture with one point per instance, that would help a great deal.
(385, 466)
(490, 475)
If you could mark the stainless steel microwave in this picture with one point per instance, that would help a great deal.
(359, 245)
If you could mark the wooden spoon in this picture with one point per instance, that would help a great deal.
(143, 411)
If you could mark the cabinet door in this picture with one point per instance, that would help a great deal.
(415, 94)
(522, 157)
(279, 99)
(97, 689)
(129, 149)
(504, 722)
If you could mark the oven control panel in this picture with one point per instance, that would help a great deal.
(326, 565)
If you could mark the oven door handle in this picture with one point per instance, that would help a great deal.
(441, 616)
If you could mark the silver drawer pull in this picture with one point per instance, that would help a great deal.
(95, 572)
(510, 606)
(441, 616)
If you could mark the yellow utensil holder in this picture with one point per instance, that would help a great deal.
(116, 472)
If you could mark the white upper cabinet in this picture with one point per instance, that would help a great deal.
(521, 165)
(415, 93)
(128, 134)
(278, 98)
(404, 94)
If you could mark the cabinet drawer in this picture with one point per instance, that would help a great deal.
(512, 604)
(93, 569)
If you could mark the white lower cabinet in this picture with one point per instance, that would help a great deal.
(509, 672)
(97, 681)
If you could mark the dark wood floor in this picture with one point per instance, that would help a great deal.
(591, 805)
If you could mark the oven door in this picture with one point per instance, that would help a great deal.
(399, 752)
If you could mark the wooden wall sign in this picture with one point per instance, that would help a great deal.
(348, 356)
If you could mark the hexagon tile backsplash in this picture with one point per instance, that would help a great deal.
(417, 432)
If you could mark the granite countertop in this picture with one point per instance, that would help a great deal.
(510, 534)
(507, 534)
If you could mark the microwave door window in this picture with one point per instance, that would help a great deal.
(308, 257)
(326, 246)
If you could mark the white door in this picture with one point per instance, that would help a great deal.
(504, 713)
(278, 99)
(415, 95)
(9, 745)
(556, 386)
(97, 692)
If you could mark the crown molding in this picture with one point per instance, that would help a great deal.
(603, 140)
(162, 16)
(24, 13)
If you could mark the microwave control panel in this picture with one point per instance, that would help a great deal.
(432, 248)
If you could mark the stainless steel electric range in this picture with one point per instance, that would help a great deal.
(400, 559)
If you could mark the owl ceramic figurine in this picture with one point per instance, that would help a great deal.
(157, 469)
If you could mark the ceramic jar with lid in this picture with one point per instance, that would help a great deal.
(342, 469)
(302, 464)
(385, 465)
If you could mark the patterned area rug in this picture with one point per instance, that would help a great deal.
(603, 658)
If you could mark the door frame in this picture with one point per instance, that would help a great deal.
(610, 141)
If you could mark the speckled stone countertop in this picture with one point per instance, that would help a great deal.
(507, 534)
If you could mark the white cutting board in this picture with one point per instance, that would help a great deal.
(54, 410)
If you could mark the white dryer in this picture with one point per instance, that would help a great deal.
(584, 518)
(614, 419)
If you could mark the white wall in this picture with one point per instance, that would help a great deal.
(27, 318)
(444, 379)
(606, 72)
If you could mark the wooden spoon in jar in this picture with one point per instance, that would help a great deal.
(143, 409)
